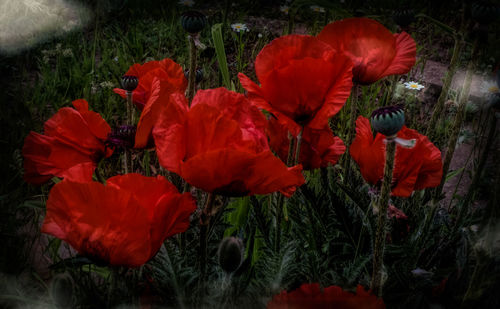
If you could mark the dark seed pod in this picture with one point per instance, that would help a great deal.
(403, 17)
(129, 82)
(193, 21)
(62, 290)
(199, 75)
(231, 253)
(388, 120)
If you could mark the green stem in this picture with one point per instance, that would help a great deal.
(281, 197)
(351, 131)
(459, 118)
(204, 224)
(130, 109)
(383, 203)
(299, 143)
(192, 69)
(438, 108)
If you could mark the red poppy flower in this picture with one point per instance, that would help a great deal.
(72, 144)
(318, 147)
(414, 169)
(373, 49)
(220, 146)
(123, 222)
(165, 70)
(303, 81)
(311, 296)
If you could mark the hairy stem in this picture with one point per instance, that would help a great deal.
(281, 197)
(383, 203)
(192, 69)
(459, 118)
(204, 224)
(351, 131)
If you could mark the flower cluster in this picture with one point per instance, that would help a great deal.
(221, 142)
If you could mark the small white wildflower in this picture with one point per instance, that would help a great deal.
(93, 88)
(285, 9)
(239, 27)
(68, 53)
(186, 2)
(413, 86)
(107, 84)
(317, 8)
(115, 59)
(259, 35)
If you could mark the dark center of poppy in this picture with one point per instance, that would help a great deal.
(122, 137)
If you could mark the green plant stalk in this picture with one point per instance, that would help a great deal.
(459, 118)
(130, 109)
(204, 224)
(299, 143)
(192, 69)
(438, 108)
(482, 162)
(351, 131)
(221, 54)
(383, 203)
(281, 197)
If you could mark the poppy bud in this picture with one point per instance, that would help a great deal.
(199, 75)
(193, 21)
(62, 290)
(129, 82)
(231, 251)
(388, 120)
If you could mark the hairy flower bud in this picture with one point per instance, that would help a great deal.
(62, 290)
(231, 253)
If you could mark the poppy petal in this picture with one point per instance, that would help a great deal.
(237, 173)
(405, 58)
(169, 133)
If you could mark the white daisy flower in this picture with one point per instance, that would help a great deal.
(317, 8)
(285, 9)
(238, 27)
(259, 35)
(186, 2)
(489, 88)
(413, 86)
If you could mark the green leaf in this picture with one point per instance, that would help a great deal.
(452, 174)
(238, 217)
(221, 54)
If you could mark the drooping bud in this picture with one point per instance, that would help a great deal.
(129, 82)
(388, 120)
(62, 290)
(193, 21)
(231, 253)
